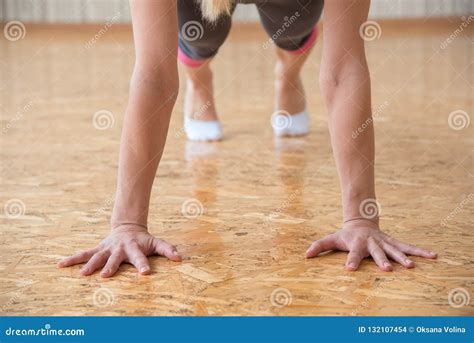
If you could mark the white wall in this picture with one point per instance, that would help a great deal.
(91, 11)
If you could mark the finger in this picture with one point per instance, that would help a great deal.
(356, 254)
(379, 255)
(397, 255)
(97, 261)
(165, 249)
(138, 259)
(112, 265)
(321, 245)
(80, 257)
(412, 250)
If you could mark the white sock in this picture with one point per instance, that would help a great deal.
(201, 130)
(285, 124)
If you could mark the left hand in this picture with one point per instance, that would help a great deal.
(363, 238)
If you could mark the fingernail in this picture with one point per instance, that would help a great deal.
(106, 271)
(407, 261)
(352, 265)
(175, 253)
(143, 269)
(387, 264)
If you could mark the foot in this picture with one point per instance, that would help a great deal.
(201, 122)
(290, 117)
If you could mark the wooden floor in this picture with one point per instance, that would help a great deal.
(263, 200)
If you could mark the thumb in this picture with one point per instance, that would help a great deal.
(321, 245)
(165, 249)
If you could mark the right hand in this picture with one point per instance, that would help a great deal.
(128, 243)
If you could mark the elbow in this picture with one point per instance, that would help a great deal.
(343, 79)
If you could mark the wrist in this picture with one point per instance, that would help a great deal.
(358, 222)
(360, 205)
(128, 216)
(127, 226)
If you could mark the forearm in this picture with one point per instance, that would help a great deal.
(349, 107)
(143, 139)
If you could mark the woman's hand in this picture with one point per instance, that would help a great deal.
(131, 244)
(363, 238)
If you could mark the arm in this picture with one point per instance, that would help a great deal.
(153, 91)
(345, 84)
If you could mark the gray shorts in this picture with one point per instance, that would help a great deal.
(289, 23)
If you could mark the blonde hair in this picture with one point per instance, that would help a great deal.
(213, 9)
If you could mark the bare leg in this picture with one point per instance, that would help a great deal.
(199, 101)
(290, 117)
(289, 89)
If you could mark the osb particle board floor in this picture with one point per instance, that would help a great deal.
(264, 200)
